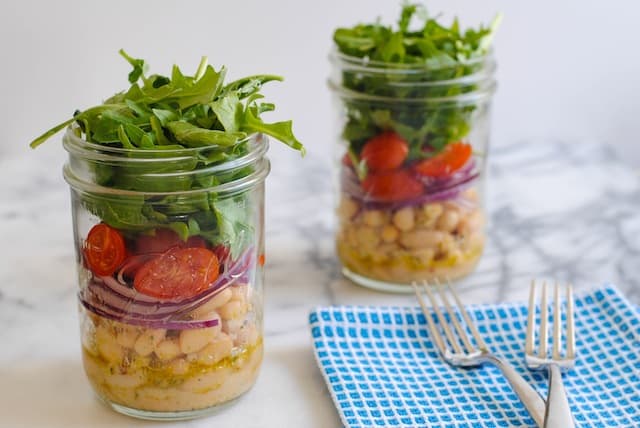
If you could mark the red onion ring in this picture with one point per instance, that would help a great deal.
(112, 299)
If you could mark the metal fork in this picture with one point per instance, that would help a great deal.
(558, 411)
(468, 355)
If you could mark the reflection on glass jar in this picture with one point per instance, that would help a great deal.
(169, 246)
(411, 160)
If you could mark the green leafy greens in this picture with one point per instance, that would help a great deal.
(158, 115)
(414, 56)
(180, 110)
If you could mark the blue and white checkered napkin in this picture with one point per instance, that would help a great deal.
(383, 370)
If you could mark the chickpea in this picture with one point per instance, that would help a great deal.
(367, 237)
(422, 238)
(347, 208)
(195, 339)
(168, 349)
(374, 218)
(404, 219)
(389, 233)
(148, 340)
(448, 221)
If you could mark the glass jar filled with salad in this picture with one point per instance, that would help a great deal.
(167, 189)
(413, 105)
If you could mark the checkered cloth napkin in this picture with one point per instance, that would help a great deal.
(383, 370)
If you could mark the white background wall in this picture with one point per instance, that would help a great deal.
(567, 69)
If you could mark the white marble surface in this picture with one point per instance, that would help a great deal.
(556, 211)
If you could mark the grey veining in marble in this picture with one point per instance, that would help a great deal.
(563, 211)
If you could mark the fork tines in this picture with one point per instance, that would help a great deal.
(438, 295)
(557, 324)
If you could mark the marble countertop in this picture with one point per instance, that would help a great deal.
(564, 211)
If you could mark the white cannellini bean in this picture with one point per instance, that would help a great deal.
(148, 340)
(107, 345)
(233, 309)
(216, 350)
(179, 366)
(240, 292)
(374, 218)
(448, 221)
(195, 339)
(248, 335)
(168, 349)
(233, 326)
(422, 238)
(129, 380)
(214, 303)
(127, 335)
(404, 219)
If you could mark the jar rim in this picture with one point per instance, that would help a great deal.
(78, 147)
(473, 97)
(355, 63)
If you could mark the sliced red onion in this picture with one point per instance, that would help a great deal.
(436, 190)
(120, 302)
(166, 324)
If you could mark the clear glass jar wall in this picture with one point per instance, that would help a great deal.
(412, 211)
(170, 249)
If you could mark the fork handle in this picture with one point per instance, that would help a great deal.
(531, 399)
(558, 411)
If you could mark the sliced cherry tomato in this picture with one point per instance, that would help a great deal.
(178, 273)
(222, 252)
(159, 242)
(385, 152)
(392, 186)
(104, 249)
(453, 157)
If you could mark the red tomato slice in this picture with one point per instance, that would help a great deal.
(178, 273)
(385, 152)
(159, 242)
(392, 186)
(104, 249)
(453, 157)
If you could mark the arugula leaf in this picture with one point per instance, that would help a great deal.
(190, 135)
(280, 130)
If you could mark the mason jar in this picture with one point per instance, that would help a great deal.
(170, 253)
(410, 162)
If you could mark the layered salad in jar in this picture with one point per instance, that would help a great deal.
(168, 205)
(414, 100)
